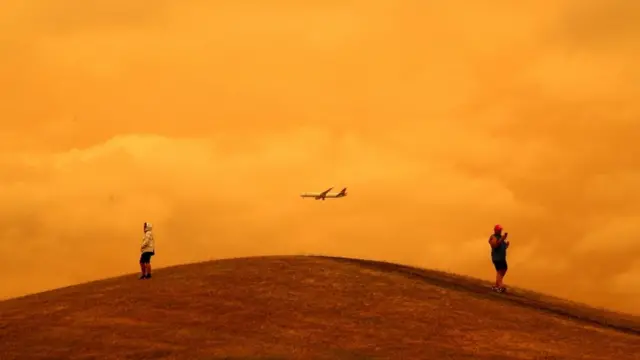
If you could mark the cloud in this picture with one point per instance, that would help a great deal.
(208, 119)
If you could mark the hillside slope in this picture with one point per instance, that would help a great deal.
(306, 308)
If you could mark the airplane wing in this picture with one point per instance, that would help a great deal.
(326, 191)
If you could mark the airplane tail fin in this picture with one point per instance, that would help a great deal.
(343, 192)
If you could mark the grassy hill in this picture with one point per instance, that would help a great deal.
(295, 307)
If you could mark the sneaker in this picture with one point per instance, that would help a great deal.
(142, 277)
(148, 276)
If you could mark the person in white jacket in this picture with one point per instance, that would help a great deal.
(148, 250)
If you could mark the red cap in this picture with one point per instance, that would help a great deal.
(497, 228)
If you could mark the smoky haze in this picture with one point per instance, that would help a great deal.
(208, 118)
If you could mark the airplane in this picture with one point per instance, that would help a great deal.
(325, 194)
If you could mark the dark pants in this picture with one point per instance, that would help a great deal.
(145, 258)
(500, 265)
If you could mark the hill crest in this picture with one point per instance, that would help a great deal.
(307, 307)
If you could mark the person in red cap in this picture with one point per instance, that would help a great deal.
(499, 245)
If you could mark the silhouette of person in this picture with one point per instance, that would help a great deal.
(148, 250)
(499, 245)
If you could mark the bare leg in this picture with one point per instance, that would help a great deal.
(143, 269)
(148, 266)
(501, 275)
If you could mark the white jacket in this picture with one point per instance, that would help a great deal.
(148, 245)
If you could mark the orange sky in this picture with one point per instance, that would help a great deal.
(208, 118)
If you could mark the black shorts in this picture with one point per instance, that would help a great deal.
(500, 265)
(145, 258)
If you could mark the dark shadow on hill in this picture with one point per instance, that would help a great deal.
(579, 312)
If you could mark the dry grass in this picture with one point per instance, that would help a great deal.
(306, 308)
